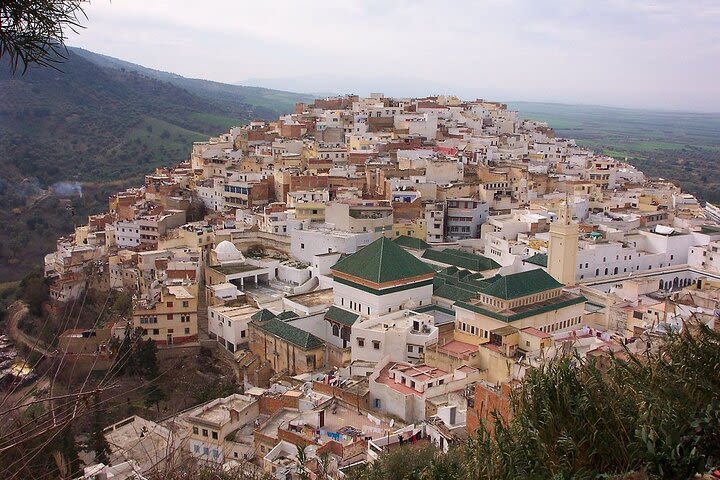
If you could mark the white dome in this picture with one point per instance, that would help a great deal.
(227, 252)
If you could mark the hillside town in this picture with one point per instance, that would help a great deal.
(380, 271)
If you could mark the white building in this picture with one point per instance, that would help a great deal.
(401, 389)
(400, 336)
(229, 325)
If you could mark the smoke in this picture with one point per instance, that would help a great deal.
(67, 189)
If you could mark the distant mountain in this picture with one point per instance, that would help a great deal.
(269, 103)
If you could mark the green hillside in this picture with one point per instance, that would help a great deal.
(679, 146)
(103, 127)
(268, 103)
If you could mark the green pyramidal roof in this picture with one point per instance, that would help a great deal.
(521, 284)
(290, 333)
(538, 259)
(263, 315)
(382, 261)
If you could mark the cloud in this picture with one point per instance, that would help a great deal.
(648, 54)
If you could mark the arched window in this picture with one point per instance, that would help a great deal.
(336, 329)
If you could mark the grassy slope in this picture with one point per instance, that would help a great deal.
(103, 127)
(675, 145)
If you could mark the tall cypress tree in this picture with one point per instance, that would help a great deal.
(97, 439)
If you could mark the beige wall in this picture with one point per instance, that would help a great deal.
(174, 317)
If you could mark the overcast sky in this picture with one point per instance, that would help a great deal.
(632, 53)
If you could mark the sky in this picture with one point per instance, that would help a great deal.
(630, 53)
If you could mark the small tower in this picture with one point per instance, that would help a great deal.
(562, 251)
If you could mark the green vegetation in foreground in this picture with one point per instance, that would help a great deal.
(679, 146)
(653, 416)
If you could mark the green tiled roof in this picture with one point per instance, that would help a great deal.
(459, 258)
(287, 315)
(538, 259)
(291, 334)
(340, 315)
(382, 261)
(464, 278)
(263, 315)
(454, 292)
(412, 242)
(521, 284)
(521, 315)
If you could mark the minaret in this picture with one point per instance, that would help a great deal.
(562, 251)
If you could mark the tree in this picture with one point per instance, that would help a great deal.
(154, 394)
(66, 454)
(302, 460)
(123, 304)
(146, 360)
(657, 413)
(34, 31)
(34, 291)
(98, 443)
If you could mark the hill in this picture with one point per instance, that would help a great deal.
(680, 146)
(103, 127)
(270, 103)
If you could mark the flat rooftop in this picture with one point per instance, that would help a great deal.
(138, 439)
(271, 425)
(400, 320)
(235, 312)
(458, 349)
(312, 299)
(218, 411)
(235, 268)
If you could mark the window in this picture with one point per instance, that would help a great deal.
(410, 348)
(215, 435)
(205, 432)
(302, 245)
(361, 342)
(196, 448)
(169, 304)
(156, 331)
(186, 303)
(195, 430)
(169, 316)
(376, 344)
(187, 331)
